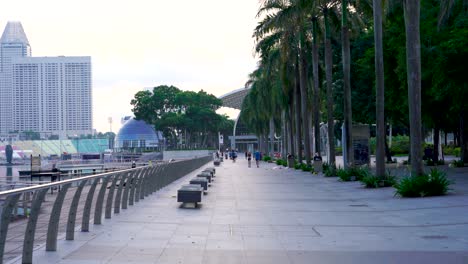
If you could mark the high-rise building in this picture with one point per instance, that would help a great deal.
(49, 95)
(13, 44)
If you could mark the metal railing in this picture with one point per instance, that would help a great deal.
(125, 187)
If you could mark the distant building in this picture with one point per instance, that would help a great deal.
(49, 95)
(137, 135)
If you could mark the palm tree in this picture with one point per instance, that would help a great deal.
(288, 20)
(380, 89)
(346, 57)
(413, 63)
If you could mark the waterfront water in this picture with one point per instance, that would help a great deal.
(10, 174)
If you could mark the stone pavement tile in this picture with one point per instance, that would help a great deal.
(262, 243)
(223, 257)
(193, 229)
(372, 257)
(225, 244)
(266, 257)
(185, 256)
(93, 252)
(187, 241)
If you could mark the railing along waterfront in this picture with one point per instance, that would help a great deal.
(125, 187)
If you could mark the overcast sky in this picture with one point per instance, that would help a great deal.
(134, 44)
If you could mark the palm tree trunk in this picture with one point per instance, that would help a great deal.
(272, 137)
(304, 112)
(347, 86)
(316, 104)
(284, 136)
(328, 76)
(380, 90)
(413, 64)
(297, 112)
(290, 129)
(436, 143)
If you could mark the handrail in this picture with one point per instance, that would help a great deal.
(128, 186)
(62, 182)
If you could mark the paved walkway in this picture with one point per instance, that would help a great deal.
(271, 215)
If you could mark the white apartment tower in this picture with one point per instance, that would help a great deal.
(50, 95)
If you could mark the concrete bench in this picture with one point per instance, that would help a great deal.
(191, 193)
(203, 182)
(210, 172)
(211, 169)
(206, 175)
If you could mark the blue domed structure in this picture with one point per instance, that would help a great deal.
(137, 134)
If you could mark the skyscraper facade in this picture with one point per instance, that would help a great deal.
(49, 95)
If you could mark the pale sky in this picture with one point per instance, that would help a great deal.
(194, 45)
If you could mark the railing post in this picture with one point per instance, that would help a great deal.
(128, 183)
(135, 180)
(28, 244)
(100, 200)
(143, 183)
(118, 196)
(7, 210)
(110, 197)
(87, 208)
(52, 230)
(72, 213)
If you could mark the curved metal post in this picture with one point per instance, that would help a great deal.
(118, 196)
(128, 183)
(28, 243)
(87, 208)
(110, 197)
(52, 230)
(143, 184)
(159, 178)
(100, 200)
(7, 210)
(138, 186)
(135, 181)
(72, 213)
(154, 180)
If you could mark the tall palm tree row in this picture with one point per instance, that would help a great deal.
(286, 29)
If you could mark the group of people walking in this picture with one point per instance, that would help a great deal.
(232, 154)
(257, 155)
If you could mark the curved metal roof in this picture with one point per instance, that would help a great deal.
(235, 98)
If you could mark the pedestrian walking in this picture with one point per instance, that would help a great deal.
(249, 158)
(258, 157)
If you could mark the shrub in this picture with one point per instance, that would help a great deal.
(343, 174)
(266, 158)
(279, 162)
(338, 151)
(354, 173)
(297, 165)
(306, 167)
(452, 151)
(372, 181)
(400, 145)
(458, 163)
(440, 162)
(430, 162)
(432, 184)
(330, 171)
(325, 166)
